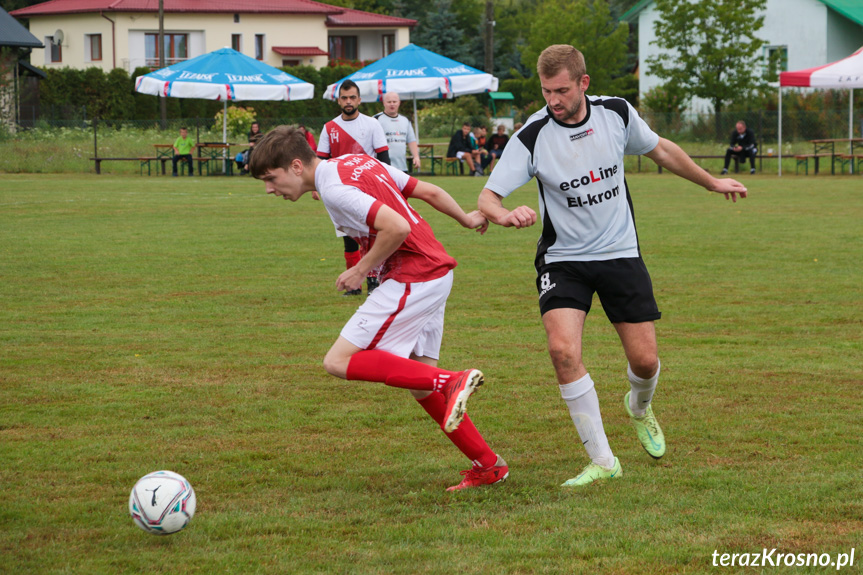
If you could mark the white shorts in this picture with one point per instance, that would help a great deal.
(402, 318)
(460, 155)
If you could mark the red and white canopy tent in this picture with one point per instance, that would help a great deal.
(845, 73)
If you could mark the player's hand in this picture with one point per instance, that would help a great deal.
(521, 217)
(417, 162)
(476, 221)
(350, 280)
(730, 188)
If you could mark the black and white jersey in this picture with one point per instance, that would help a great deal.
(584, 201)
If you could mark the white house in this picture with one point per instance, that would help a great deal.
(124, 33)
(806, 33)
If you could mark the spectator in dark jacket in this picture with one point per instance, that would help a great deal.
(743, 146)
(460, 147)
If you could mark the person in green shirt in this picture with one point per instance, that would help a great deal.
(183, 147)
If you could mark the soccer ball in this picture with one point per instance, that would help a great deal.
(162, 502)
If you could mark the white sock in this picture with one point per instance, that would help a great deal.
(642, 391)
(583, 403)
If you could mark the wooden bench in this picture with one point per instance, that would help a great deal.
(454, 166)
(142, 161)
(853, 161)
(803, 160)
(205, 163)
(426, 152)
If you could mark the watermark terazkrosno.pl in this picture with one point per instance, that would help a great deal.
(775, 558)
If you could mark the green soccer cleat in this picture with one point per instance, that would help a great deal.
(594, 472)
(648, 430)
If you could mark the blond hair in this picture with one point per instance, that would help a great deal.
(559, 57)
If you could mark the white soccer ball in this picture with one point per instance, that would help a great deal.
(162, 502)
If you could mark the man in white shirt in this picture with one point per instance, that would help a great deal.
(399, 133)
(575, 147)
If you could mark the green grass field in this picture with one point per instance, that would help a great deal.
(159, 323)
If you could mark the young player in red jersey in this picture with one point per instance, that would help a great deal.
(395, 336)
(353, 133)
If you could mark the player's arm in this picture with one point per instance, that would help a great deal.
(491, 206)
(323, 150)
(439, 199)
(415, 153)
(383, 156)
(671, 157)
(392, 230)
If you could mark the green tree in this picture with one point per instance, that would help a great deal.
(711, 49)
(589, 26)
(441, 33)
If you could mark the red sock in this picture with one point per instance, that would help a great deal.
(384, 367)
(467, 438)
(352, 259)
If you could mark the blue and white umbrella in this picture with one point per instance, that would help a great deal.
(224, 75)
(416, 73)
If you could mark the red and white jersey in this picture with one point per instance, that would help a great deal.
(354, 187)
(362, 135)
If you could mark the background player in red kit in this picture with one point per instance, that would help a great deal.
(353, 133)
(395, 336)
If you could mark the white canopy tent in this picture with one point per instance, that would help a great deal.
(845, 73)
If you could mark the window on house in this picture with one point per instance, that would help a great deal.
(777, 58)
(388, 44)
(286, 63)
(236, 42)
(56, 52)
(93, 45)
(259, 46)
(176, 49)
(343, 48)
(236, 18)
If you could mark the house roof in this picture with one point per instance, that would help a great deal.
(28, 69)
(851, 9)
(344, 16)
(357, 18)
(299, 51)
(56, 7)
(12, 33)
(630, 14)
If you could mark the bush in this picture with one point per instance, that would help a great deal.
(239, 120)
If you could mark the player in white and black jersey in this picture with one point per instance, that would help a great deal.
(575, 148)
(399, 133)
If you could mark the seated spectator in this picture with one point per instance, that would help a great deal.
(242, 158)
(481, 157)
(183, 147)
(743, 146)
(497, 143)
(459, 147)
(517, 127)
